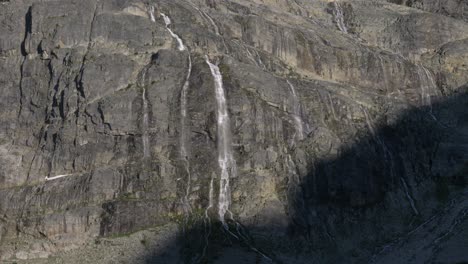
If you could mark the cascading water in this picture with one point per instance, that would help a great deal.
(384, 75)
(145, 124)
(260, 60)
(183, 109)
(167, 21)
(339, 17)
(427, 84)
(294, 180)
(210, 199)
(206, 16)
(151, 13)
(410, 199)
(207, 218)
(183, 134)
(296, 113)
(225, 158)
(332, 107)
(212, 23)
(47, 178)
(389, 160)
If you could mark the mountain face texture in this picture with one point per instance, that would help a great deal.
(240, 131)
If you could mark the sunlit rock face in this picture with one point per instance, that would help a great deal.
(241, 131)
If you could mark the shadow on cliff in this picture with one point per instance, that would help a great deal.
(381, 184)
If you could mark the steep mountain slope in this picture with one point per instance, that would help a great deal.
(244, 131)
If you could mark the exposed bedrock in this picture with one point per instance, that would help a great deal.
(344, 137)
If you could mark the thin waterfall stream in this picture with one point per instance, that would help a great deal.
(389, 160)
(427, 84)
(298, 122)
(180, 43)
(146, 152)
(183, 111)
(183, 135)
(339, 17)
(225, 158)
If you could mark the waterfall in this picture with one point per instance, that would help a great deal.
(203, 14)
(183, 134)
(388, 157)
(210, 200)
(207, 221)
(151, 13)
(167, 21)
(293, 176)
(47, 178)
(384, 75)
(427, 84)
(339, 17)
(225, 158)
(212, 23)
(260, 60)
(410, 199)
(332, 107)
(145, 125)
(296, 113)
(146, 152)
(183, 109)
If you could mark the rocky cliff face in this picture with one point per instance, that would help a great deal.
(253, 131)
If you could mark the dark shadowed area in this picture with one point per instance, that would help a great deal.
(350, 198)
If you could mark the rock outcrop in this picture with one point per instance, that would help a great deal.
(333, 131)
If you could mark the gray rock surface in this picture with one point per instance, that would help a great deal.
(348, 122)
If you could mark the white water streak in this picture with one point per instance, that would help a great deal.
(183, 136)
(212, 23)
(225, 158)
(296, 113)
(332, 107)
(151, 13)
(260, 60)
(410, 199)
(167, 21)
(388, 157)
(205, 15)
(339, 17)
(146, 152)
(210, 199)
(389, 160)
(183, 109)
(251, 56)
(57, 177)
(427, 84)
(292, 169)
(384, 75)
(207, 221)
